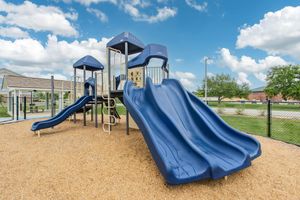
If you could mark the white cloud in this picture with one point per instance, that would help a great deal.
(135, 8)
(198, 6)
(278, 33)
(131, 10)
(178, 60)
(13, 32)
(89, 2)
(161, 15)
(38, 18)
(210, 74)
(243, 78)
(187, 79)
(29, 56)
(99, 14)
(249, 65)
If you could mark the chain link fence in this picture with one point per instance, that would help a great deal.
(278, 120)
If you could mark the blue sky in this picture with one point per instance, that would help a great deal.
(243, 38)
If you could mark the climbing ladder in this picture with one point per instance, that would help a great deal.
(107, 123)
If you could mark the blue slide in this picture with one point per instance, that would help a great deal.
(63, 115)
(187, 142)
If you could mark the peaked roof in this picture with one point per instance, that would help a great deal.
(150, 51)
(4, 71)
(91, 63)
(22, 82)
(134, 44)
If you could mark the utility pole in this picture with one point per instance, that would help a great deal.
(205, 90)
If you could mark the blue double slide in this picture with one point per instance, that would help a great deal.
(187, 140)
(63, 115)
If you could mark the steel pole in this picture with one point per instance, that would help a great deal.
(74, 93)
(84, 109)
(109, 86)
(205, 63)
(52, 97)
(96, 103)
(126, 74)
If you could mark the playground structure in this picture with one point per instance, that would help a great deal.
(187, 140)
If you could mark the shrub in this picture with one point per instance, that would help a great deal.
(240, 111)
(262, 113)
(220, 110)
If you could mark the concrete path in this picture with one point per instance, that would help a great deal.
(256, 112)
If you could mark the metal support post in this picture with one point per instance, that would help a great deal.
(84, 108)
(269, 118)
(96, 103)
(52, 97)
(74, 93)
(126, 73)
(24, 106)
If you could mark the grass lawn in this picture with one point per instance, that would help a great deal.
(282, 129)
(3, 112)
(285, 107)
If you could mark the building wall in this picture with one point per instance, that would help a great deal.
(261, 96)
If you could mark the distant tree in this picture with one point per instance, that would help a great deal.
(220, 86)
(66, 95)
(224, 86)
(243, 90)
(199, 92)
(1, 100)
(284, 80)
(40, 95)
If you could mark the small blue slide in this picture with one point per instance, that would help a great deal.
(187, 140)
(63, 115)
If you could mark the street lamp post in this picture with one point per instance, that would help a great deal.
(205, 90)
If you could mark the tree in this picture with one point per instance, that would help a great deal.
(224, 86)
(199, 92)
(284, 80)
(243, 90)
(1, 100)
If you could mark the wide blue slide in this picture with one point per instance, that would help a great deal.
(187, 141)
(63, 115)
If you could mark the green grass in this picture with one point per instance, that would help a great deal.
(120, 108)
(284, 107)
(3, 112)
(282, 129)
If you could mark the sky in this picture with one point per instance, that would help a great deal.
(241, 38)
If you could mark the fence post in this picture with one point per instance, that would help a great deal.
(17, 108)
(13, 107)
(269, 118)
(24, 107)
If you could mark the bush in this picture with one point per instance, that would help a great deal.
(220, 110)
(262, 113)
(240, 111)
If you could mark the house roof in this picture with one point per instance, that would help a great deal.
(4, 71)
(259, 89)
(30, 83)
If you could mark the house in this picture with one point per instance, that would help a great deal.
(258, 94)
(5, 72)
(17, 87)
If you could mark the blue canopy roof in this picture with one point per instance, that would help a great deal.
(91, 64)
(134, 44)
(150, 51)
